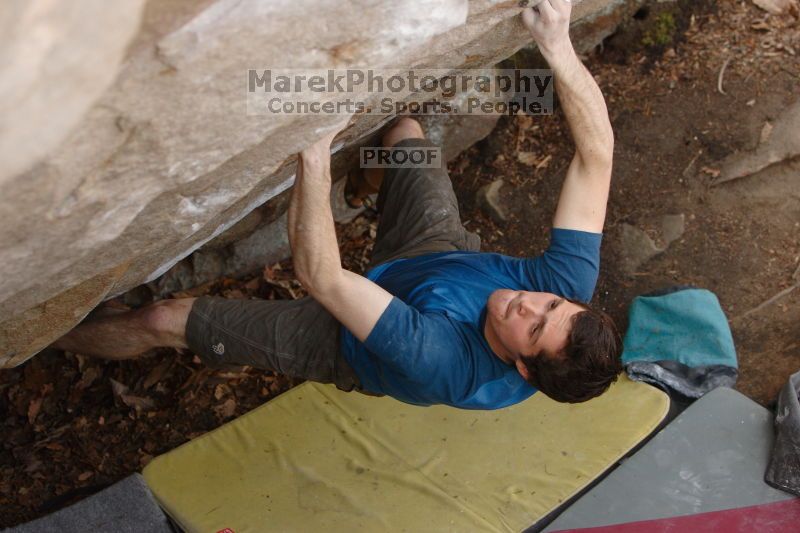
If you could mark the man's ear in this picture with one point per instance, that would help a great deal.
(522, 369)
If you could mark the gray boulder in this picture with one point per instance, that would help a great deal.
(126, 140)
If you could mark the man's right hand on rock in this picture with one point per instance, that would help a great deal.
(548, 22)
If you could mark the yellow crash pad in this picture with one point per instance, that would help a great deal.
(316, 458)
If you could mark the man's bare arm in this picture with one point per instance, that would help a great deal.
(584, 195)
(354, 300)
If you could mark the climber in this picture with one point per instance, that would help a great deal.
(434, 321)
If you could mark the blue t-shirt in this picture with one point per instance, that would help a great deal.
(428, 346)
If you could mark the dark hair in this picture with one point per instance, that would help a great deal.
(588, 365)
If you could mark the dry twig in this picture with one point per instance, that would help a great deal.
(721, 78)
(767, 303)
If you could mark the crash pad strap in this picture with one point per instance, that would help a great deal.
(319, 458)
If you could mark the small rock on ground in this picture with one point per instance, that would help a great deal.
(489, 199)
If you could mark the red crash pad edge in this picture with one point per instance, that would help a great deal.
(770, 517)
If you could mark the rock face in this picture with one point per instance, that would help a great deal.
(40, 74)
(489, 199)
(779, 142)
(636, 247)
(126, 142)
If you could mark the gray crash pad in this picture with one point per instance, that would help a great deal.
(711, 458)
(125, 507)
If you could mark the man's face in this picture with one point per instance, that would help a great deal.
(527, 324)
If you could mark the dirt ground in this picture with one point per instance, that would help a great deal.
(72, 425)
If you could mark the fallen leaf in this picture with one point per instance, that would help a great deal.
(713, 172)
(544, 163)
(33, 409)
(121, 391)
(219, 391)
(118, 388)
(775, 7)
(35, 375)
(200, 290)
(197, 376)
(157, 374)
(84, 476)
(34, 465)
(231, 374)
(233, 294)
(137, 402)
(88, 377)
(82, 360)
(227, 409)
(527, 158)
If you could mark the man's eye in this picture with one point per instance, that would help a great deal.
(554, 304)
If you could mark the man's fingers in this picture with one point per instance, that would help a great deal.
(339, 126)
(547, 11)
(528, 17)
(343, 123)
(564, 7)
(334, 130)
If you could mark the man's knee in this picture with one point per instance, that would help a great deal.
(166, 321)
(405, 128)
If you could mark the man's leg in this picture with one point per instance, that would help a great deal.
(129, 334)
(369, 182)
(418, 207)
(298, 338)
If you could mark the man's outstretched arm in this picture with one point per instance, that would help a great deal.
(582, 205)
(355, 301)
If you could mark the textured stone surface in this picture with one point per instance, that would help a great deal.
(140, 173)
(46, 87)
(672, 228)
(490, 201)
(778, 142)
(636, 247)
(261, 239)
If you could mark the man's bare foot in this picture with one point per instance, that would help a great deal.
(360, 187)
(128, 334)
(405, 128)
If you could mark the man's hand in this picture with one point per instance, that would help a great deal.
(317, 157)
(354, 300)
(548, 22)
(582, 205)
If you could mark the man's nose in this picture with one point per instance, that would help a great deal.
(526, 308)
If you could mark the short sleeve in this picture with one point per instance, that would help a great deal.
(570, 265)
(419, 346)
